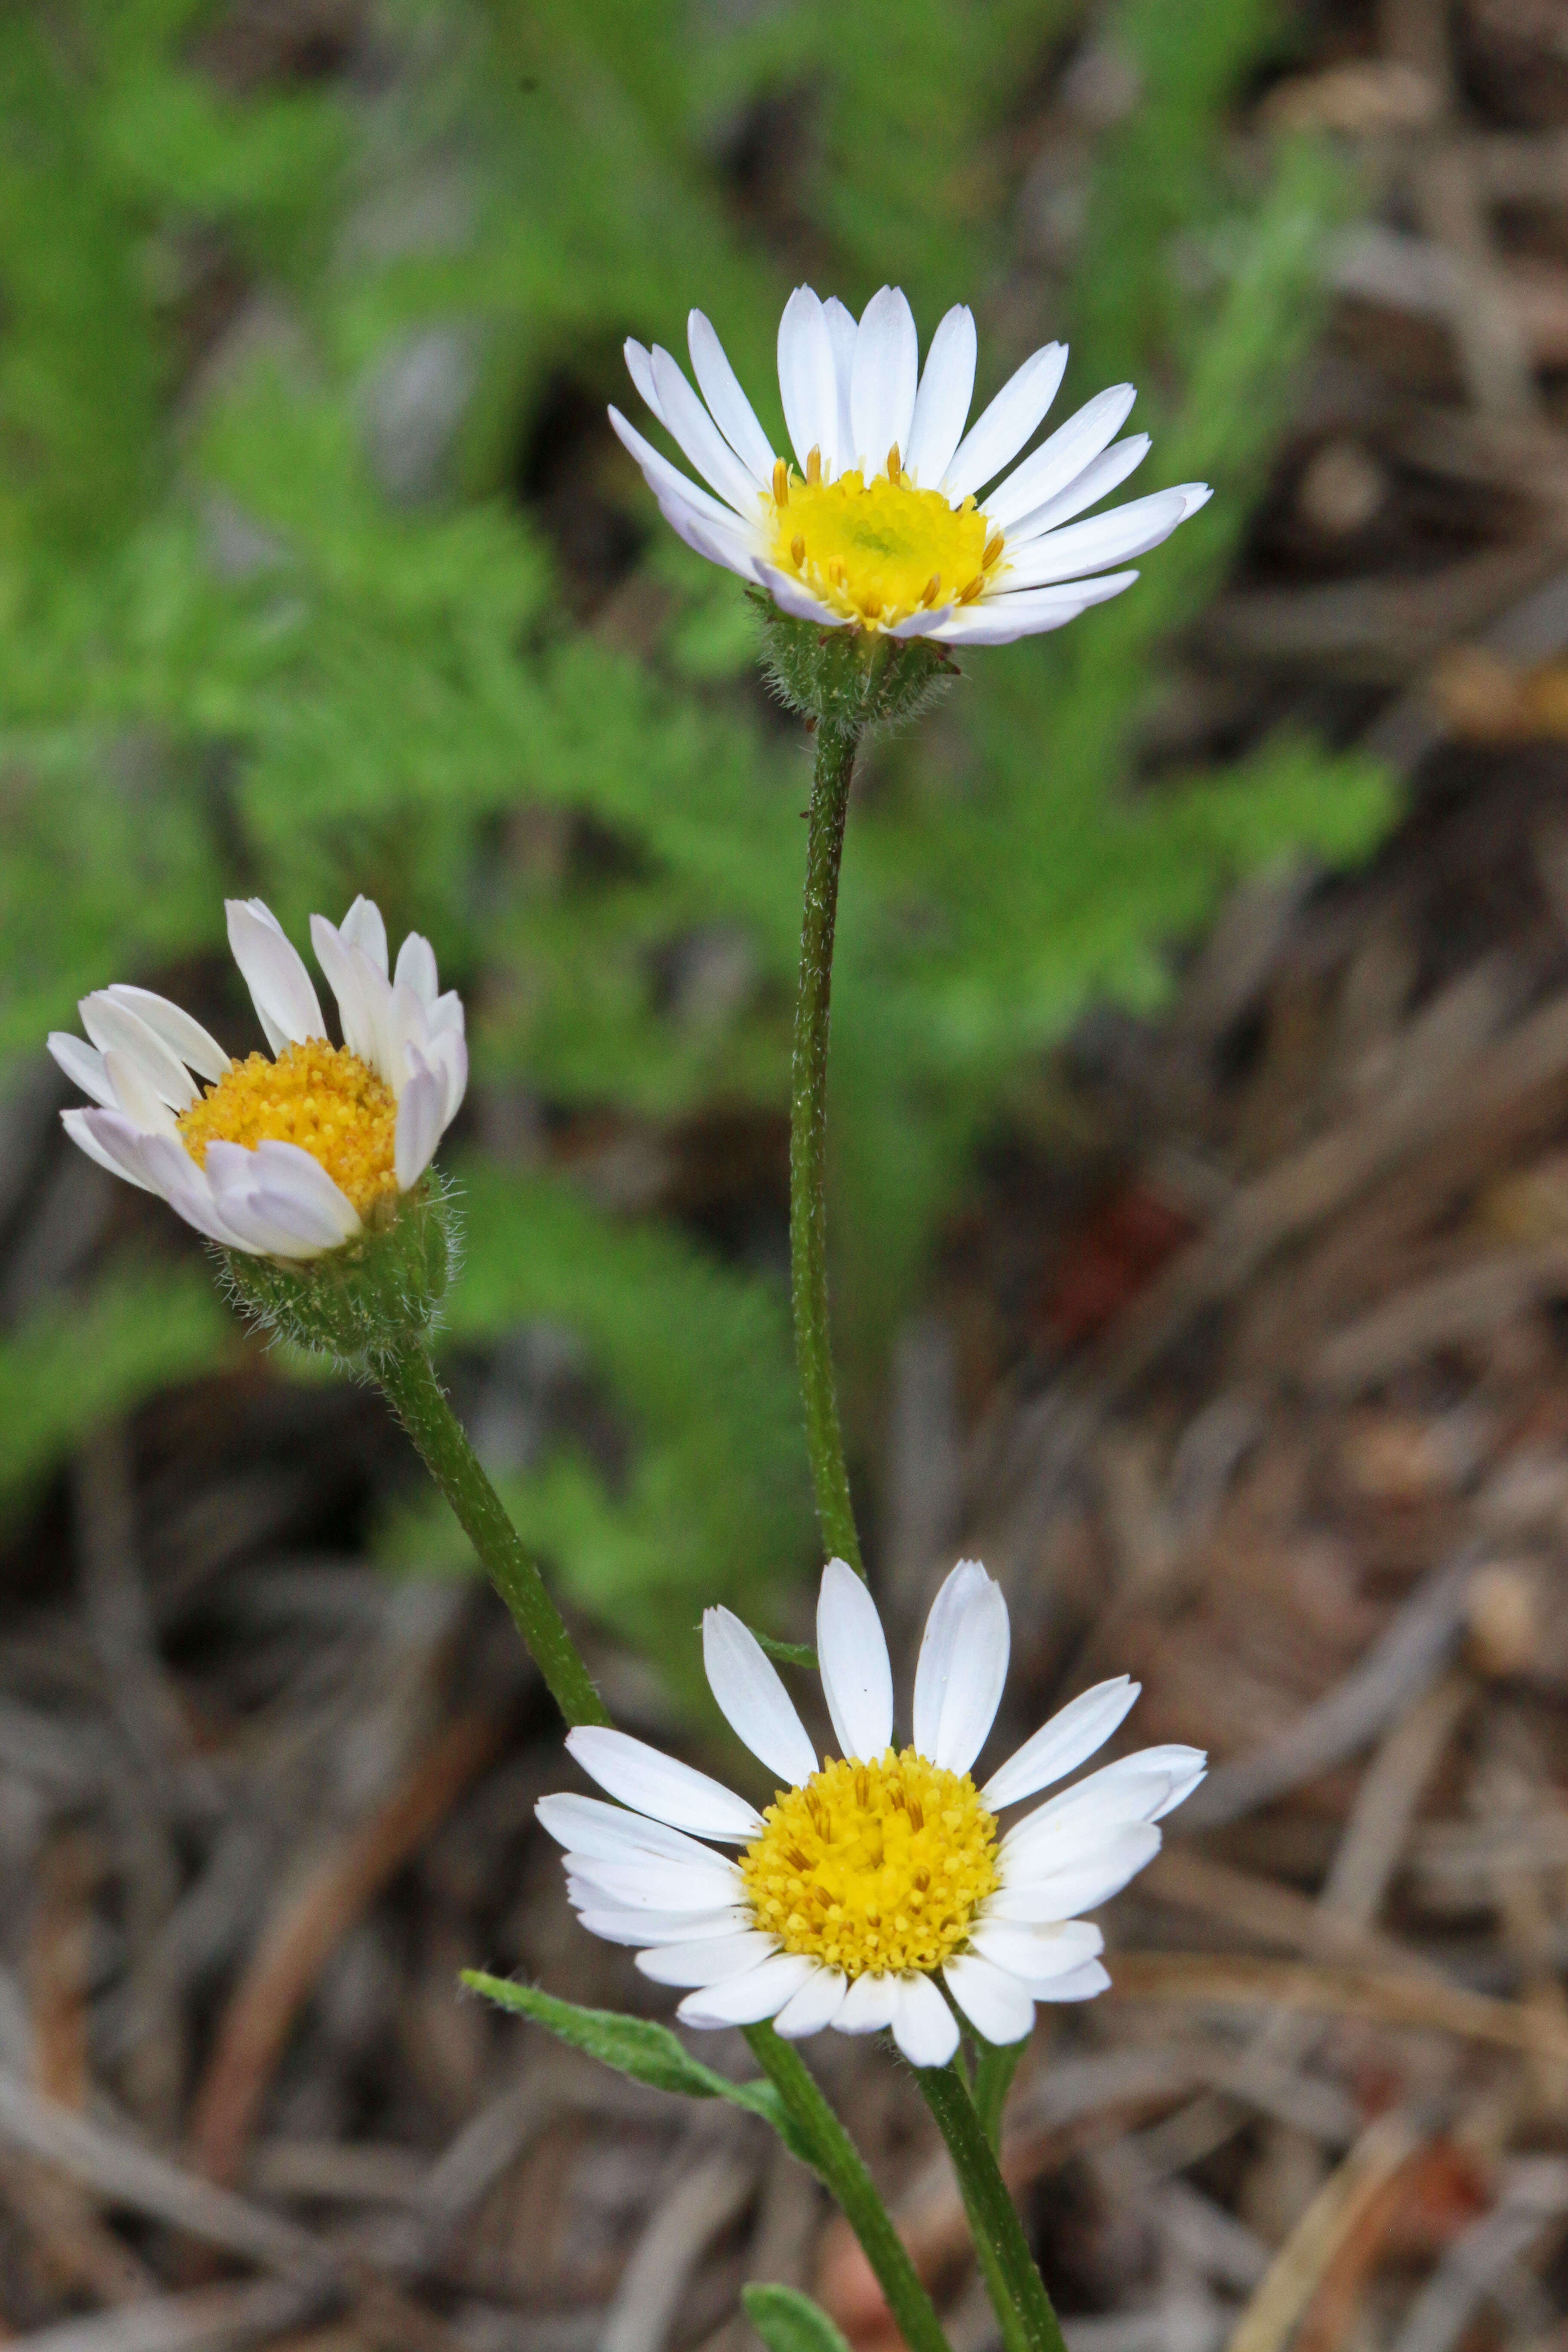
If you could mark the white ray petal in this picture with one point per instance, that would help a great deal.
(790, 597)
(1008, 618)
(963, 1668)
(136, 1095)
(625, 1927)
(274, 972)
(639, 367)
(281, 1221)
(667, 481)
(662, 1787)
(186, 1189)
(1134, 1789)
(586, 1825)
(1064, 1894)
(924, 2028)
(694, 431)
(995, 2003)
(1098, 479)
(761, 1993)
(870, 2004)
(124, 1160)
(947, 387)
(1082, 1984)
(808, 381)
(923, 624)
(709, 1962)
(420, 1110)
(114, 1028)
(416, 969)
(448, 1053)
(1062, 456)
(884, 380)
(852, 1656)
(1060, 1746)
(939, 1645)
(364, 927)
(731, 411)
(286, 1171)
(657, 1885)
(842, 330)
(195, 1046)
(814, 2006)
(1078, 548)
(1002, 429)
(1034, 1954)
(753, 1699)
(83, 1066)
(346, 976)
(733, 548)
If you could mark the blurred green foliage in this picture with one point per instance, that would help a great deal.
(276, 620)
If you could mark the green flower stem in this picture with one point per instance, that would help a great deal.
(1017, 2290)
(997, 2064)
(836, 743)
(415, 1395)
(842, 2170)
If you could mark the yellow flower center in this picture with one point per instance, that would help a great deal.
(321, 1097)
(874, 1867)
(880, 550)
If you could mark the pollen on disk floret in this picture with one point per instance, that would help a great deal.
(877, 548)
(318, 1096)
(874, 1867)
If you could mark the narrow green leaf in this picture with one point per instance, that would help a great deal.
(639, 2047)
(788, 2321)
(785, 1654)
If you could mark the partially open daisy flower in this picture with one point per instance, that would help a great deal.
(292, 1157)
(870, 1875)
(885, 521)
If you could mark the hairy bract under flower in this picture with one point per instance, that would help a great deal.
(291, 1157)
(874, 1875)
(886, 521)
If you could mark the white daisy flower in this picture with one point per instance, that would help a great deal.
(292, 1157)
(881, 523)
(871, 1875)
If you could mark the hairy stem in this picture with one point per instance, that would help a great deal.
(417, 1396)
(1017, 2290)
(842, 2170)
(836, 748)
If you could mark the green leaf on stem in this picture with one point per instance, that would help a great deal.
(788, 2321)
(639, 2047)
(785, 1654)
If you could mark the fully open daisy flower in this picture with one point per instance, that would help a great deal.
(873, 1874)
(885, 521)
(292, 1157)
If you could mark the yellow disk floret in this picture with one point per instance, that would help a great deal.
(321, 1097)
(874, 1867)
(878, 550)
